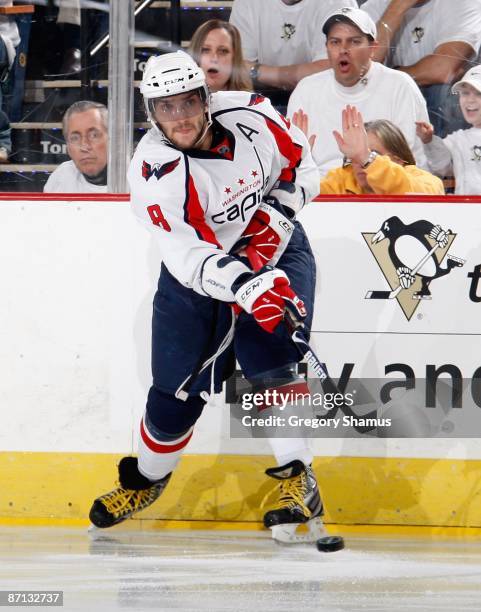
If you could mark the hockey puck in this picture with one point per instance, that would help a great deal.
(330, 544)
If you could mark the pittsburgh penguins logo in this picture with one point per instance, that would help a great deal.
(411, 257)
(417, 33)
(476, 151)
(288, 31)
(158, 170)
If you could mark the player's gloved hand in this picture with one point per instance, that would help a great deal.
(268, 233)
(286, 197)
(271, 227)
(406, 278)
(439, 235)
(266, 295)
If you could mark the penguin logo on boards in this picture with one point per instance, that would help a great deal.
(417, 33)
(288, 31)
(476, 153)
(411, 257)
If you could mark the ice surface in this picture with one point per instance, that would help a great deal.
(239, 571)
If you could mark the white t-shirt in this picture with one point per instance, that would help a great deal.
(383, 93)
(67, 178)
(426, 27)
(275, 34)
(460, 153)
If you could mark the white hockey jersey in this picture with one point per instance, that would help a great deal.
(197, 202)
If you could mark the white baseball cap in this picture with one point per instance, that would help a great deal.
(357, 17)
(472, 77)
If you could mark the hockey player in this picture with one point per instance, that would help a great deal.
(215, 174)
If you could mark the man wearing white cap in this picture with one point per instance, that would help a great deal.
(431, 40)
(378, 92)
(460, 152)
(281, 39)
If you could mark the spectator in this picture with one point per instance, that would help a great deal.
(377, 91)
(432, 41)
(216, 47)
(459, 152)
(377, 159)
(85, 132)
(281, 39)
(9, 40)
(5, 140)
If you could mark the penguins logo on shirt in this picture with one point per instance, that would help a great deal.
(476, 150)
(411, 256)
(417, 33)
(288, 31)
(158, 170)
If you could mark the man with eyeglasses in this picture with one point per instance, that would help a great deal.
(85, 131)
(217, 174)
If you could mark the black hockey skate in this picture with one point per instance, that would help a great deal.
(299, 503)
(134, 494)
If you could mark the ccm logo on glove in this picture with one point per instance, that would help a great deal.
(254, 285)
(267, 295)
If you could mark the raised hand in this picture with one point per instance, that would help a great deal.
(424, 131)
(301, 120)
(353, 141)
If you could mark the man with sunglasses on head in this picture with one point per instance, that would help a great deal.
(85, 131)
(215, 174)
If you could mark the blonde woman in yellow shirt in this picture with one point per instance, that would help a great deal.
(377, 159)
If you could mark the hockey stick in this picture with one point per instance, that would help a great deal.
(297, 328)
(389, 295)
(299, 337)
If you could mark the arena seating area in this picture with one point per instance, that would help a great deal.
(37, 98)
(37, 141)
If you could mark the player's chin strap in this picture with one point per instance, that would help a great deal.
(205, 130)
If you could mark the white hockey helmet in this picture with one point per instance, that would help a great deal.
(171, 74)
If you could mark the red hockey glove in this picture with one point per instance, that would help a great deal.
(268, 232)
(267, 295)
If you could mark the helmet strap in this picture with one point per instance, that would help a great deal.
(205, 131)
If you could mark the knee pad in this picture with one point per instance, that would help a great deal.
(168, 417)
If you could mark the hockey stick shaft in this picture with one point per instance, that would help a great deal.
(389, 295)
(298, 335)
